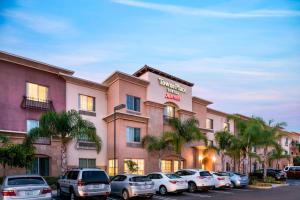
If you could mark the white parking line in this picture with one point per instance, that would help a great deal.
(198, 195)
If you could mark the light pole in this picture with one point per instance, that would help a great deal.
(118, 107)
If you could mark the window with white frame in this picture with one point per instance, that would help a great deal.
(210, 123)
(36, 92)
(140, 166)
(87, 103)
(133, 134)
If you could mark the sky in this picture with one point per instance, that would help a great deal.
(242, 55)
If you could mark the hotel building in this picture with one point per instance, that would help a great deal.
(28, 88)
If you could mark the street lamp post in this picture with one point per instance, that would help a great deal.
(118, 107)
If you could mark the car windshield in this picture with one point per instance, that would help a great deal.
(94, 177)
(205, 173)
(25, 181)
(220, 174)
(140, 179)
(172, 176)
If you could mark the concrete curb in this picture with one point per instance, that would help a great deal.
(279, 185)
(259, 187)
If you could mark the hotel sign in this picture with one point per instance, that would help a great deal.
(173, 89)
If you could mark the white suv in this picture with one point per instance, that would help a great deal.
(197, 179)
(84, 182)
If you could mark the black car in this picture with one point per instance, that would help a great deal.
(275, 173)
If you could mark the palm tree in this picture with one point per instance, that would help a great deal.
(248, 132)
(68, 126)
(183, 132)
(269, 137)
(223, 139)
(155, 144)
(277, 154)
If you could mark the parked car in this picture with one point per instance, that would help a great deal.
(84, 182)
(221, 180)
(197, 179)
(168, 182)
(132, 185)
(292, 171)
(25, 187)
(277, 174)
(237, 179)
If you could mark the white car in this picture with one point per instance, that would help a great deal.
(168, 182)
(221, 180)
(197, 179)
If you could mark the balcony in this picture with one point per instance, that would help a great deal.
(43, 141)
(84, 144)
(37, 104)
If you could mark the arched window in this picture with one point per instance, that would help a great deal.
(169, 111)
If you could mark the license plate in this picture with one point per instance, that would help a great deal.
(28, 193)
(100, 186)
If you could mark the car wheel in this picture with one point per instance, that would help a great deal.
(163, 190)
(233, 185)
(125, 195)
(192, 187)
(73, 196)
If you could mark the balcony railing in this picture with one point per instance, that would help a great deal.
(84, 144)
(37, 104)
(43, 141)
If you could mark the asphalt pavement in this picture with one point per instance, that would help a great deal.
(291, 192)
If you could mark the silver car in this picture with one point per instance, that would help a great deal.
(132, 185)
(29, 187)
(237, 179)
(84, 182)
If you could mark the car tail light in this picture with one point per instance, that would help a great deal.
(200, 177)
(8, 193)
(46, 190)
(173, 182)
(80, 183)
(221, 178)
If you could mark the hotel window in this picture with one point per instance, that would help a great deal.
(286, 141)
(87, 103)
(32, 124)
(87, 163)
(133, 134)
(176, 165)
(36, 92)
(166, 166)
(169, 112)
(133, 103)
(140, 165)
(40, 166)
(111, 167)
(210, 123)
(226, 126)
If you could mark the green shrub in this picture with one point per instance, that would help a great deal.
(52, 181)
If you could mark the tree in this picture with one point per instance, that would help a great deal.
(155, 144)
(296, 161)
(247, 136)
(277, 154)
(67, 126)
(132, 166)
(269, 136)
(183, 132)
(223, 139)
(15, 155)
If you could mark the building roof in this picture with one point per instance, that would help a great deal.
(201, 101)
(33, 63)
(83, 82)
(121, 75)
(217, 112)
(147, 68)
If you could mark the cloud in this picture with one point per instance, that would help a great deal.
(40, 24)
(168, 8)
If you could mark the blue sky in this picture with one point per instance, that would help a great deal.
(242, 55)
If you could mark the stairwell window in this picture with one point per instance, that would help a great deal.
(133, 135)
(133, 103)
(87, 103)
(36, 92)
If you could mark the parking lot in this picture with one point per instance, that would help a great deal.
(291, 192)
